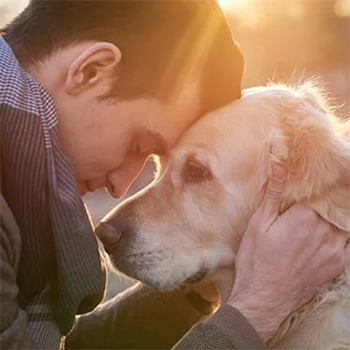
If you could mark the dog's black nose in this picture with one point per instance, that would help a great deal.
(108, 235)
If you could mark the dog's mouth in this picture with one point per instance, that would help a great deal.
(197, 277)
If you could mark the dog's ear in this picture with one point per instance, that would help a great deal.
(314, 151)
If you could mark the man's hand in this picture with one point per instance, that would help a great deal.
(284, 261)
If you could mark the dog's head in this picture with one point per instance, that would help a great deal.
(190, 220)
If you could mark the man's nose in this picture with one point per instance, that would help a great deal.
(120, 179)
(109, 235)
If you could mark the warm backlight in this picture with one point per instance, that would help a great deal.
(228, 5)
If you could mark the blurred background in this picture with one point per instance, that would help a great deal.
(292, 40)
(282, 40)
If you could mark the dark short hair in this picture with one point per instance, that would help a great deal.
(159, 40)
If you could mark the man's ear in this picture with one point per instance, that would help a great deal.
(92, 68)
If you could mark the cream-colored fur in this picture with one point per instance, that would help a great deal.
(188, 223)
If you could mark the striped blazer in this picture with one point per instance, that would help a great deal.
(59, 262)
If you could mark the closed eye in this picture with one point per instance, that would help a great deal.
(147, 142)
(195, 171)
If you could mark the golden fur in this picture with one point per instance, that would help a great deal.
(187, 224)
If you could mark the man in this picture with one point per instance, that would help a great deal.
(88, 90)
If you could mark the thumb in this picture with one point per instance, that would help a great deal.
(271, 203)
(347, 253)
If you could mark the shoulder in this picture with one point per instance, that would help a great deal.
(21, 90)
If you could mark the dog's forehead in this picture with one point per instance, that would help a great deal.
(234, 135)
(237, 121)
(237, 131)
(230, 149)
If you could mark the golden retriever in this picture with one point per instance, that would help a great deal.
(189, 222)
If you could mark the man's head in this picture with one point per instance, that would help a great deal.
(127, 77)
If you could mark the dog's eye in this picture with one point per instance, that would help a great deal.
(194, 171)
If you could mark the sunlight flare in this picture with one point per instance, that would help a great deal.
(228, 5)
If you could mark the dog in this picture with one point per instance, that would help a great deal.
(187, 225)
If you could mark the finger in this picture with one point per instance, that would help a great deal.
(347, 253)
(345, 234)
(341, 235)
(271, 203)
(343, 238)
